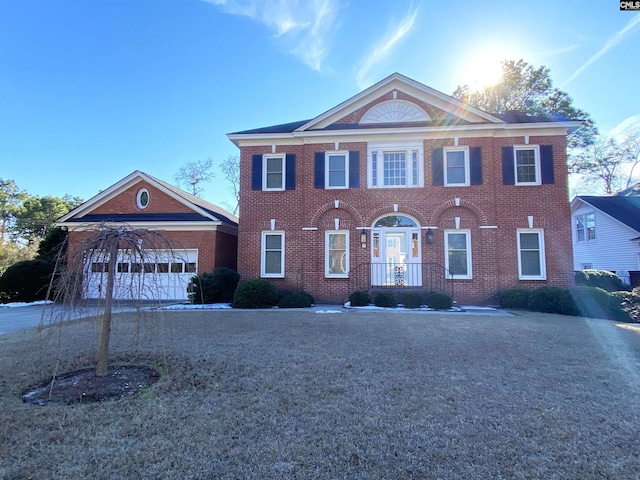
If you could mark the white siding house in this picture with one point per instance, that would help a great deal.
(606, 235)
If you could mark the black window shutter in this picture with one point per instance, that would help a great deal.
(508, 168)
(354, 169)
(437, 167)
(475, 165)
(546, 164)
(290, 172)
(256, 172)
(318, 178)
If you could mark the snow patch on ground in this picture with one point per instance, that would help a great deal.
(25, 304)
(188, 306)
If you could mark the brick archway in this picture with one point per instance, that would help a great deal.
(331, 206)
(477, 211)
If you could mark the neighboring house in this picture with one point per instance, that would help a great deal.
(606, 234)
(200, 236)
(404, 187)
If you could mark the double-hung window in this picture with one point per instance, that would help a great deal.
(273, 172)
(336, 254)
(527, 165)
(531, 259)
(395, 165)
(337, 170)
(456, 167)
(585, 227)
(457, 245)
(272, 258)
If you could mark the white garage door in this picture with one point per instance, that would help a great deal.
(151, 275)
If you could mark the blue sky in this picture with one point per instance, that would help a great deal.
(93, 90)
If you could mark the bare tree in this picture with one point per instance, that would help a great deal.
(193, 174)
(92, 266)
(231, 171)
(609, 164)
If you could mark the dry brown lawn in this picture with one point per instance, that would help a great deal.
(359, 395)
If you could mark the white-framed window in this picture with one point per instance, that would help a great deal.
(272, 254)
(336, 167)
(273, 171)
(585, 227)
(142, 198)
(457, 253)
(456, 166)
(395, 165)
(531, 257)
(527, 164)
(336, 256)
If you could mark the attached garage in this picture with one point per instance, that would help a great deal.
(197, 237)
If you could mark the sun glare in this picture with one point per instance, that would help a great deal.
(484, 68)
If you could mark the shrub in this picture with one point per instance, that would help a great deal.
(413, 300)
(517, 298)
(359, 299)
(385, 299)
(255, 293)
(596, 302)
(26, 281)
(630, 303)
(439, 301)
(216, 287)
(552, 300)
(296, 300)
(602, 279)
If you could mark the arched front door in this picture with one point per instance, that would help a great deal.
(396, 258)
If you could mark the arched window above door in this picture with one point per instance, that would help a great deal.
(398, 221)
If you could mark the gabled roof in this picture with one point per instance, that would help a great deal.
(452, 115)
(625, 209)
(201, 210)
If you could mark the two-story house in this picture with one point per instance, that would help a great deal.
(404, 187)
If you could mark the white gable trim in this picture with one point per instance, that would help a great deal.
(408, 86)
(122, 185)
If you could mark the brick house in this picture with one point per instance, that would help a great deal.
(197, 237)
(403, 187)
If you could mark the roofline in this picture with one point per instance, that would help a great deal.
(579, 197)
(159, 226)
(235, 137)
(110, 192)
(411, 83)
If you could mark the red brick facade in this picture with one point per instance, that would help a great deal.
(492, 212)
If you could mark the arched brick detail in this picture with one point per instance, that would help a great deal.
(331, 206)
(477, 211)
(378, 212)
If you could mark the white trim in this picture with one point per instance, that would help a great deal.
(345, 258)
(488, 226)
(309, 229)
(395, 111)
(536, 154)
(270, 156)
(263, 252)
(141, 192)
(336, 153)
(467, 234)
(408, 148)
(467, 176)
(541, 254)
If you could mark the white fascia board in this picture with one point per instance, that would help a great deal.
(448, 131)
(173, 226)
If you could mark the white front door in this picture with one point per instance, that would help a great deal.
(395, 257)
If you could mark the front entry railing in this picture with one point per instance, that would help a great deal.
(428, 277)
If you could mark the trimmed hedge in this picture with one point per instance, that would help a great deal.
(602, 279)
(552, 300)
(439, 301)
(596, 302)
(386, 299)
(296, 300)
(26, 281)
(359, 299)
(413, 300)
(517, 298)
(255, 293)
(216, 287)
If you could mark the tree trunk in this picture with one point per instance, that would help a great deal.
(103, 352)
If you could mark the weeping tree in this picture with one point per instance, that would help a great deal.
(92, 265)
